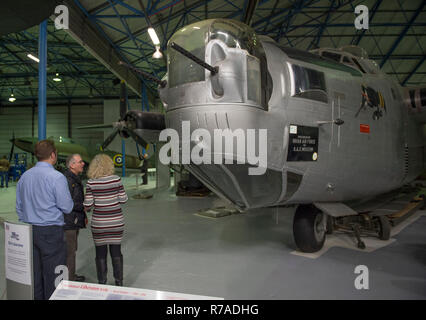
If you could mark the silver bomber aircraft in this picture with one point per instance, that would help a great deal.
(338, 129)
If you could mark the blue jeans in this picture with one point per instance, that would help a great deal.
(49, 251)
(4, 176)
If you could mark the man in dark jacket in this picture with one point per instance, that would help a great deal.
(77, 218)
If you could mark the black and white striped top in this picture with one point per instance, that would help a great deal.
(106, 194)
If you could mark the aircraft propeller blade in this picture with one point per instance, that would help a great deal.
(123, 100)
(137, 138)
(109, 139)
(12, 148)
(97, 126)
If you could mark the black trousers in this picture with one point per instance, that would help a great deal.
(49, 252)
(102, 251)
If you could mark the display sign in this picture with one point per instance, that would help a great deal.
(72, 290)
(18, 252)
(303, 143)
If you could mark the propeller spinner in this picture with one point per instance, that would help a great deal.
(135, 124)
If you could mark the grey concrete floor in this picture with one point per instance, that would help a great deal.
(168, 247)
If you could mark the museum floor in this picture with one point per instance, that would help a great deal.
(168, 247)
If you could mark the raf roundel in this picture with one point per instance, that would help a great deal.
(118, 160)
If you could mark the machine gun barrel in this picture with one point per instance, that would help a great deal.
(189, 55)
(162, 83)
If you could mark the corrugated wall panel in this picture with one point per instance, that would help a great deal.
(18, 120)
(84, 116)
(13, 120)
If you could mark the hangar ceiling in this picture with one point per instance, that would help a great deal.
(396, 40)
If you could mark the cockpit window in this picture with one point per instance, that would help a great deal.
(234, 34)
(184, 70)
(331, 55)
(253, 79)
(237, 35)
(195, 37)
(358, 65)
(308, 83)
(305, 56)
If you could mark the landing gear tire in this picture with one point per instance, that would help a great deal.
(384, 228)
(309, 228)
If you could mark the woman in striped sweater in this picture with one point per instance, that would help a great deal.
(105, 193)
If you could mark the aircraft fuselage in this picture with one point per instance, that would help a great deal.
(334, 133)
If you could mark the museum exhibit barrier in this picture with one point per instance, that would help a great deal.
(19, 261)
(71, 290)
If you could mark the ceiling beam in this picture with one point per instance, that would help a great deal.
(404, 82)
(249, 11)
(315, 41)
(11, 75)
(96, 42)
(176, 14)
(408, 26)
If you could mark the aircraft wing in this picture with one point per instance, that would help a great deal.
(63, 154)
(97, 126)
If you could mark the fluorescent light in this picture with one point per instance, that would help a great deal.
(56, 78)
(157, 54)
(12, 98)
(153, 36)
(33, 58)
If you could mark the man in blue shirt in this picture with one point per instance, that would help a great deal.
(42, 196)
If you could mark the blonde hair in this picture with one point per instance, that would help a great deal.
(100, 166)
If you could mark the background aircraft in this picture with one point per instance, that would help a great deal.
(67, 147)
(339, 130)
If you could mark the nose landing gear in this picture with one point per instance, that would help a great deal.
(309, 228)
(311, 225)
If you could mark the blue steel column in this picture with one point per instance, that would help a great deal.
(42, 55)
(145, 103)
(145, 106)
(123, 142)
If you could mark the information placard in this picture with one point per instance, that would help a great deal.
(303, 143)
(18, 253)
(72, 290)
